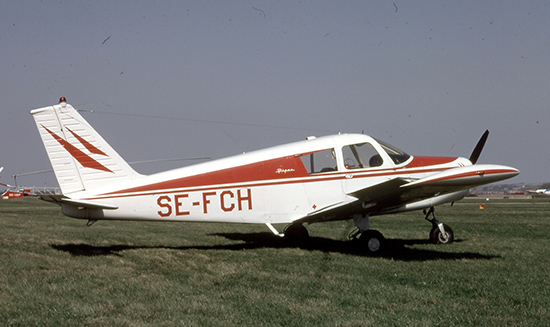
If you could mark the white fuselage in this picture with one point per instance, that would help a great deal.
(259, 187)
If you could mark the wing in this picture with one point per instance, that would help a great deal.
(370, 199)
(397, 192)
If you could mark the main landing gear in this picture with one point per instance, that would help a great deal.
(296, 234)
(440, 233)
(371, 240)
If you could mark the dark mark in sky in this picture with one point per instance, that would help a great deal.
(107, 39)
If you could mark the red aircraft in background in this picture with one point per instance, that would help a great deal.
(12, 194)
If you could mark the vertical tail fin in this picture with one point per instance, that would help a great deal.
(81, 159)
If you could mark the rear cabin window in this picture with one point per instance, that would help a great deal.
(320, 161)
(361, 155)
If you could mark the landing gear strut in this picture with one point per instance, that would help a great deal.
(440, 233)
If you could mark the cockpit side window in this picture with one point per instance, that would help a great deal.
(320, 161)
(361, 155)
(395, 154)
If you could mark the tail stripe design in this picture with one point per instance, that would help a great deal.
(80, 156)
(87, 144)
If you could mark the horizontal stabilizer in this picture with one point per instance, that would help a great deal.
(61, 199)
(88, 204)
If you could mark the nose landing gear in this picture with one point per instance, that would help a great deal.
(440, 233)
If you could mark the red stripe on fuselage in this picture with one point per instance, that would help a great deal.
(280, 171)
(281, 168)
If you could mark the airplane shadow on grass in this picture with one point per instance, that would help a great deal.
(396, 249)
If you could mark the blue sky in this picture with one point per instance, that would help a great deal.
(185, 79)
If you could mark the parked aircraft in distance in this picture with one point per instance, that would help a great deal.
(545, 191)
(9, 194)
(336, 177)
(14, 194)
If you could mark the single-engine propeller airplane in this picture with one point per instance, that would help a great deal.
(337, 177)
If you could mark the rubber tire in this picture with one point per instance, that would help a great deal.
(373, 241)
(437, 238)
(296, 234)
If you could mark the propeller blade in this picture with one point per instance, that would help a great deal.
(479, 146)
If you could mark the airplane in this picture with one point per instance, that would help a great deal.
(9, 194)
(540, 191)
(319, 179)
(14, 194)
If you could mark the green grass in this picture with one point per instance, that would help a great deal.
(55, 271)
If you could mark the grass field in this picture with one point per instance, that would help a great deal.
(56, 271)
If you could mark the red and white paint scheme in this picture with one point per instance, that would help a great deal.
(9, 195)
(344, 176)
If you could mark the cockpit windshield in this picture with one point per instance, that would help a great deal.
(395, 154)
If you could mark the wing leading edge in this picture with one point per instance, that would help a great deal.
(398, 192)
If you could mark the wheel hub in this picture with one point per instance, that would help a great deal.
(373, 244)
